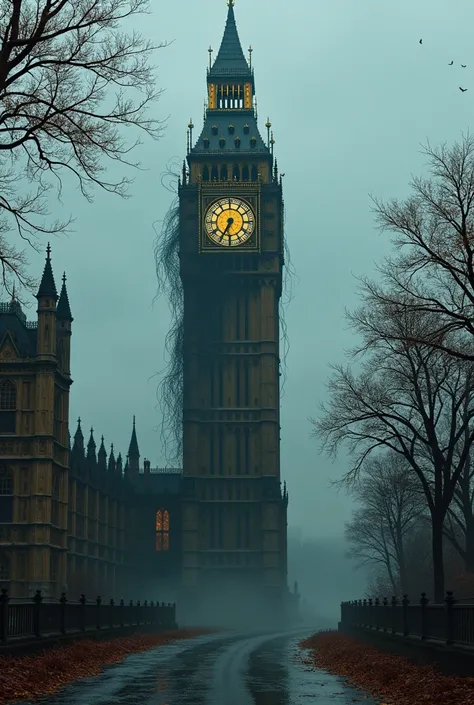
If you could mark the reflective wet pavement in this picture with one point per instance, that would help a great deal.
(222, 669)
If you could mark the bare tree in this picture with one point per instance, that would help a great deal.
(409, 398)
(433, 269)
(459, 525)
(390, 506)
(68, 77)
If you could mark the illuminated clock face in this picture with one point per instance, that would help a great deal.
(229, 222)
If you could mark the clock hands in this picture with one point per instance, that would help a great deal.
(229, 223)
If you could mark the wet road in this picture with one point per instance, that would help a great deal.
(223, 669)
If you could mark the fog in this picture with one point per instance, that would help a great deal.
(351, 94)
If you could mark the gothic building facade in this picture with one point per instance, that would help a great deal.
(78, 519)
(72, 519)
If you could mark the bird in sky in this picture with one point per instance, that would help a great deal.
(462, 89)
(451, 63)
(464, 65)
(421, 41)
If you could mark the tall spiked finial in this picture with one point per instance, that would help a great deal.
(210, 50)
(250, 56)
(47, 288)
(268, 125)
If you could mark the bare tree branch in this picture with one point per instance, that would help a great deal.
(432, 270)
(71, 82)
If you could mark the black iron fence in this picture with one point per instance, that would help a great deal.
(26, 619)
(450, 623)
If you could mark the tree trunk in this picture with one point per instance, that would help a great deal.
(469, 562)
(438, 563)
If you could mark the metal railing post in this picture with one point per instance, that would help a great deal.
(62, 613)
(82, 601)
(37, 600)
(423, 603)
(450, 602)
(406, 626)
(377, 613)
(394, 614)
(98, 603)
(4, 600)
(111, 613)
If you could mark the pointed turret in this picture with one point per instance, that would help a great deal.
(63, 309)
(102, 457)
(78, 438)
(133, 457)
(77, 452)
(118, 466)
(63, 331)
(230, 123)
(91, 446)
(230, 59)
(47, 288)
(111, 464)
(47, 297)
(91, 458)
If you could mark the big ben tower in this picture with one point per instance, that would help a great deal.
(231, 254)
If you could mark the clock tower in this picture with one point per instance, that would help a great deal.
(231, 259)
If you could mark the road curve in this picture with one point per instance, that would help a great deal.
(220, 669)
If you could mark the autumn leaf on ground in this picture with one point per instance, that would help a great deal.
(35, 676)
(393, 678)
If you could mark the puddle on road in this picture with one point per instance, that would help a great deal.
(277, 676)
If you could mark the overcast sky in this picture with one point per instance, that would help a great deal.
(351, 94)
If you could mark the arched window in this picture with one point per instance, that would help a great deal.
(6, 495)
(236, 173)
(7, 406)
(162, 530)
(254, 173)
(214, 174)
(223, 173)
(4, 567)
(7, 395)
(245, 173)
(205, 173)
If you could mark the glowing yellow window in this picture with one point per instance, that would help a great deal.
(162, 530)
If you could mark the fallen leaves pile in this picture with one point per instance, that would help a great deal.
(41, 674)
(393, 679)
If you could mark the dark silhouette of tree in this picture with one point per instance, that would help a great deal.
(410, 398)
(432, 270)
(70, 80)
(459, 525)
(390, 505)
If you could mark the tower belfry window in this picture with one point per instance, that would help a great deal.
(245, 173)
(236, 173)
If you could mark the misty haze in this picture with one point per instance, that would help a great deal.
(236, 389)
